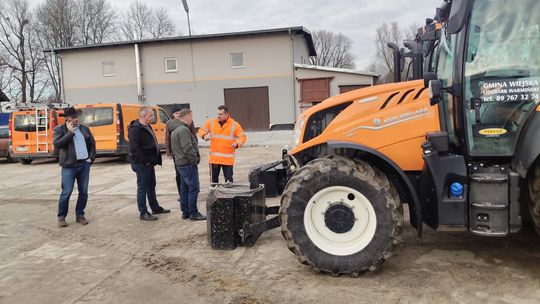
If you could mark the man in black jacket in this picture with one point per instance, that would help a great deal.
(77, 150)
(145, 154)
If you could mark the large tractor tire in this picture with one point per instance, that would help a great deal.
(534, 202)
(341, 216)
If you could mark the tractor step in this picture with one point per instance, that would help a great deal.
(489, 200)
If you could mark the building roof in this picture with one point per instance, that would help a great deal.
(331, 69)
(297, 30)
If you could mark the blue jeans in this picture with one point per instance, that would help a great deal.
(189, 189)
(81, 173)
(146, 187)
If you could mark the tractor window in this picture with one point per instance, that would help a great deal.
(443, 65)
(502, 73)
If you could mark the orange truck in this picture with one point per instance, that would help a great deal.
(31, 132)
(108, 123)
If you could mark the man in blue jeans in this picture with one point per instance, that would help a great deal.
(186, 158)
(77, 150)
(145, 155)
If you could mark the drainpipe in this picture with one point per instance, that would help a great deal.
(61, 76)
(293, 75)
(140, 96)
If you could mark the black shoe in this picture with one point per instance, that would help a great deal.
(148, 217)
(198, 217)
(161, 211)
(185, 217)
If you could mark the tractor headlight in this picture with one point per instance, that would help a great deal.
(298, 131)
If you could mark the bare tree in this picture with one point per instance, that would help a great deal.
(383, 63)
(162, 24)
(58, 22)
(14, 23)
(95, 21)
(143, 22)
(333, 50)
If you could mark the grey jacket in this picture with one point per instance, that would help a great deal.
(184, 146)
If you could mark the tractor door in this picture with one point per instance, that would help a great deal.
(501, 74)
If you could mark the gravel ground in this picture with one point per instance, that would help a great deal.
(119, 259)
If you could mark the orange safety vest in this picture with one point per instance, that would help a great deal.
(222, 139)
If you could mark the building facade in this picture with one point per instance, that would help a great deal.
(253, 73)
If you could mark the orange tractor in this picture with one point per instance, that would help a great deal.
(460, 147)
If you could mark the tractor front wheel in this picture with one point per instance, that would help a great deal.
(340, 216)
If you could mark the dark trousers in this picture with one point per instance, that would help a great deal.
(227, 172)
(81, 173)
(146, 187)
(178, 179)
(189, 189)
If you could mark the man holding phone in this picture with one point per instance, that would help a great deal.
(77, 150)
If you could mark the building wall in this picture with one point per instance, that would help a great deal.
(339, 78)
(268, 62)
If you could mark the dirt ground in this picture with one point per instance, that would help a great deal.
(119, 259)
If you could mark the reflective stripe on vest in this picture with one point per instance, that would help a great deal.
(230, 136)
(222, 154)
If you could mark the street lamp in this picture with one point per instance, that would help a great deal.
(186, 8)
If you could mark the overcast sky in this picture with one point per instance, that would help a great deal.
(357, 19)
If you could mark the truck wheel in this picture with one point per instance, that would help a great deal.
(25, 161)
(534, 201)
(10, 159)
(341, 216)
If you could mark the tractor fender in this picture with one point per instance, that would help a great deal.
(528, 145)
(394, 173)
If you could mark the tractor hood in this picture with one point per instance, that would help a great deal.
(375, 117)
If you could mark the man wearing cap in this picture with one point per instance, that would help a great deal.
(225, 136)
(171, 125)
(77, 150)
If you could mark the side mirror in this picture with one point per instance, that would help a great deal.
(435, 91)
(427, 77)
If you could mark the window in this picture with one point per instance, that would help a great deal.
(502, 74)
(237, 60)
(163, 116)
(171, 65)
(108, 69)
(25, 123)
(95, 117)
(154, 118)
(4, 132)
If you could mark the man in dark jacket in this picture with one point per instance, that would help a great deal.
(186, 158)
(76, 149)
(145, 154)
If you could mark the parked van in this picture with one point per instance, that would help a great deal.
(4, 136)
(108, 122)
(31, 132)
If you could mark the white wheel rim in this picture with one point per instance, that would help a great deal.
(329, 241)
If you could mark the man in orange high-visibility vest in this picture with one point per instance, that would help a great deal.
(225, 136)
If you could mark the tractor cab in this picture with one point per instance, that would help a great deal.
(487, 88)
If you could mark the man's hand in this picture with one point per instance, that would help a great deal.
(70, 126)
(235, 145)
(206, 137)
